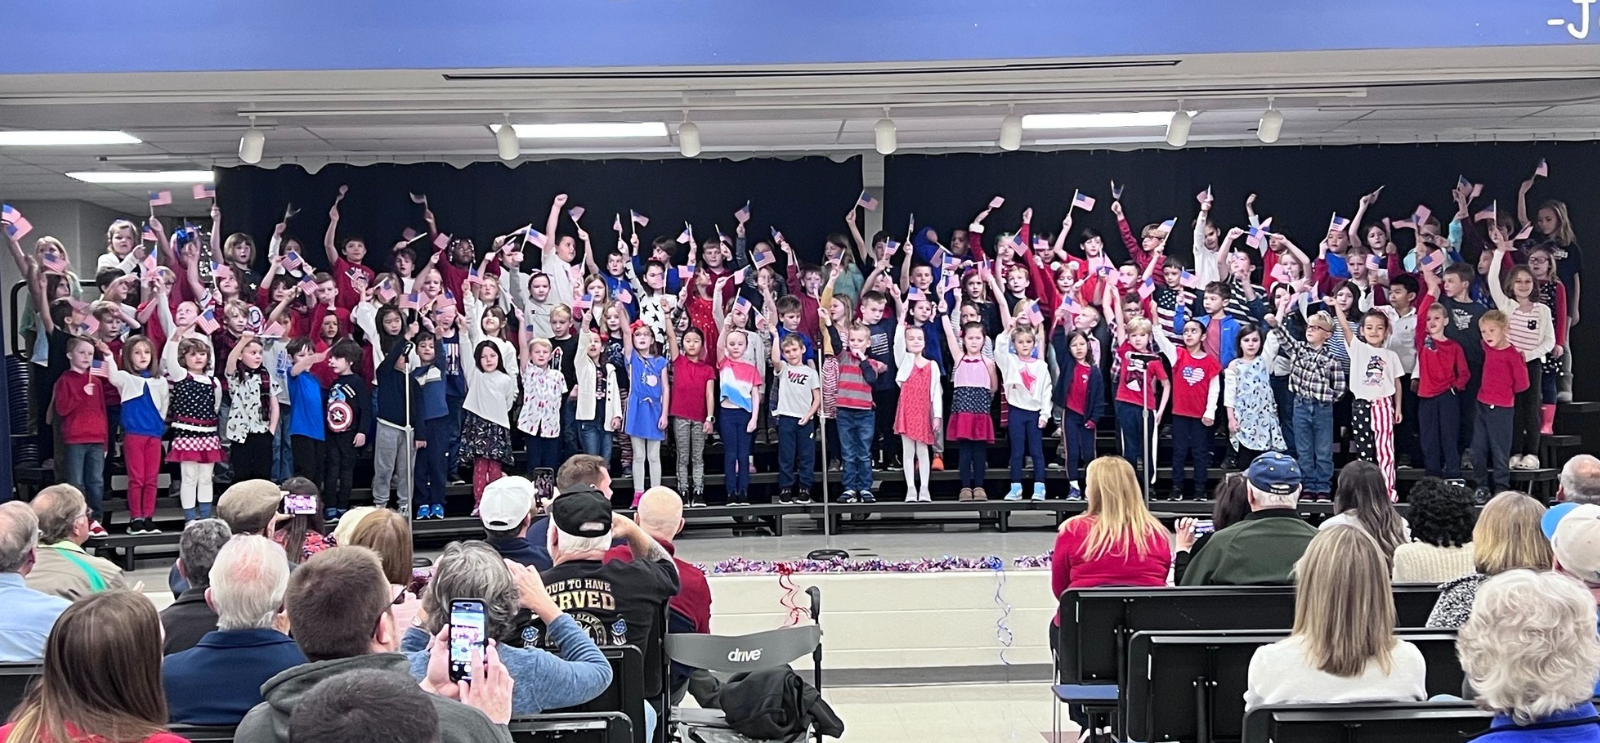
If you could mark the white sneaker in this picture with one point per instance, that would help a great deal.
(1515, 462)
(924, 497)
(1530, 462)
(911, 496)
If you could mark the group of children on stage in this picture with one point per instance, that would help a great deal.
(451, 355)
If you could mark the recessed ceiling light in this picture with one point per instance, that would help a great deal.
(142, 176)
(1122, 120)
(593, 130)
(64, 138)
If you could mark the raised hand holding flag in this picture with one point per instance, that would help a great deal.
(1204, 197)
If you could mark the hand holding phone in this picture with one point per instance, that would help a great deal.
(468, 628)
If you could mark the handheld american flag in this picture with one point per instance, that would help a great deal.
(207, 322)
(866, 201)
(204, 191)
(995, 202)
(576, 213)
(1116, 191)
(160, 198)
(98, 368)
(1543, 170)
(16, 225)
(764, 258)
(1081, 200)
(1257, 232)
(292, 261)
(1337, 222)
(1491, 214)
(686, 236)
(1420, 216)
(53, 261)
(743, 215)
(638, 219)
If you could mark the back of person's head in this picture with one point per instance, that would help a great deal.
(19, 531)
(581, 521)
(385, 532)
(1121, 521)
(296, 528)
(337, 602)
(1508, 535)
(248, 582)
(58, 507)
(1232, 501)
(1441, 514)
(1343, 608)
(102, 674)
(579, 470)
(660, 512)
(471, 570)
(365, 706)
(248, 506)
(1580, 479)
(1363, 493)
(198, 547)
(1530, 649)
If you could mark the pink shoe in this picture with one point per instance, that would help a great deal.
(638, 495)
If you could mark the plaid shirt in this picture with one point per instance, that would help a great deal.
(1314, 373)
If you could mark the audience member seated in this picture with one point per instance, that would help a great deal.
(1580, 480)
(191, 617)
(543, 680)
(248, 507)
(365, 707)
(1115, 541)
(340, 608)
(1442, 516)
(385, 532)
(579, 472)
(616, 602)
(1343, 647)
(218, 680)
(1261, 549)
(28, 614)
(1574, 532)
(507, 511)
(348, 521)
(660, 515)
(1231, 503)
(1532, 657)
(302, 535)
(102, 677)
(61, 566)
(1362, 500)
(1507, 537)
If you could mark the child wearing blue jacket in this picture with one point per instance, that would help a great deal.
(1080, 393)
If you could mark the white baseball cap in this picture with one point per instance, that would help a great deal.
(506, 502)
(1576, 543)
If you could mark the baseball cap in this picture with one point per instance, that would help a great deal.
(1576, 542)
(582, 513)
(1274, 473)
(506, 502)
(248, 505)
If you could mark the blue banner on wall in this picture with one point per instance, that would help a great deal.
(82, 36)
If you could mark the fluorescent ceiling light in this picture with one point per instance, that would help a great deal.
(1124, 120)
(64, 138)
(593, 130)
(142, 176)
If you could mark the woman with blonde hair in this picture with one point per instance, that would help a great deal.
(1343, 647)
(385, 532)
(1507, 537)
(1531, 656)
(1116, 541)
(102, 677)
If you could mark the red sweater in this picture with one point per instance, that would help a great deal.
(1191, 384)
(1441, 366)
(1071, 567)
(1504, 374)
(694, 593)
(5, 732)
(83, 414)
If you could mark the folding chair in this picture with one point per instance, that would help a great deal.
(724, 655)
(15, 679)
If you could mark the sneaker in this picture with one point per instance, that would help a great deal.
(150, 527)
(1038, 491)
(1481, 496)
(938, 463)
(438, 510)
(330, 514)
(136, 526)
(423, 512)
(965, 495)
(95, 529)
(848, 496)
(911, 496)
(924, 496)
(1015, 493)
(697, 499)
(785, 495)
(638, 495)
(802, 495)
(868, 497)
(1176, 494)
(1324, 497)
(1075, 493)
(1530, 461)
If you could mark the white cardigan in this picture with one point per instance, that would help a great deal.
(585, 368)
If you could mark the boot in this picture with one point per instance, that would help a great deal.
(205, 510)
(1547, 419)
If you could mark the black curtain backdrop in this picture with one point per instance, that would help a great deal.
(1299, 187)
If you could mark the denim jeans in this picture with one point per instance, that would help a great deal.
(594, 439)
(1491, 446)
(430, 474)
(569, 428)
(1313, 436)
(735, 449)
(855, 446)
(282, 452)
(797, 452)
(1439, 426)
(1131, 420)
(1026, 436)
(85, 468)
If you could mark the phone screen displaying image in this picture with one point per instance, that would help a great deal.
(299, 505)
(1203, 527)
(467, 627)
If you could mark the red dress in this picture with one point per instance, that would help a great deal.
(970, 401)
(914, 418)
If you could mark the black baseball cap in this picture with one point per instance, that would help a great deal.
(582, 513)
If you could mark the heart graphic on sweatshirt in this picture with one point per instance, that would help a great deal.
(1193, 375)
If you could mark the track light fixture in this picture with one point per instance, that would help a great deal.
(1011, 132)
(506, 142)
(1178, 127)
(883, 134)
(252, 144)
(688, 138)
(1271, 125)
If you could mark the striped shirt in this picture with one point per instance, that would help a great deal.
(854, 391)
(1529, 329)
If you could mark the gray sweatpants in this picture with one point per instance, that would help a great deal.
(394, 456)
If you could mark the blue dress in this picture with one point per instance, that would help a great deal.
(647, 379)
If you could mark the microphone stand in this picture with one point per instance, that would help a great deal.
(829, 552)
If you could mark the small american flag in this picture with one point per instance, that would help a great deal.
(685, 273)
(160, 198)
(207, 322)
(1034, 315)
(385, 291)
(1525, 233)
(204, 191)
(1257, 232)
(686, 236)
(419, 198)
(53, 261)
(408, 234)
(98, 368)
(473, 277)
(1543, 170)
(576, 213)
(1432, 259)
(913, 294)
(16, 225)
(1204, 197)
(742, 303)
(410, 301)
(1491, 214)
(1187, 279)
(764, 258)
(1420, 217)
(996, 202)
(535, 238)
(1462, 182)
(308, 285)
(721, 238)
(149, 262)
(1116, 191)
(148, 234)
(638, 219)
(583, 303)
(292, 260)
(616, 223)
(441, 241)
(1081, 200)
(1374, 262)
(740, 275)
(776, 235)
(1166, 227)
(1147, 287)
(1338, 222)
(743, 215)
(274, 330)
(866, 201)
(624, 296)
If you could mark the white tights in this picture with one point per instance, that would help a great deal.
(646, 451)
(915, 453)
(194, 483)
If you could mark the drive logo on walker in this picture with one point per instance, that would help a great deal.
(744, 656)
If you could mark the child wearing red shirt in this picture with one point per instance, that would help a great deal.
(81, 406)
(1196, 386)
(1503, 376)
